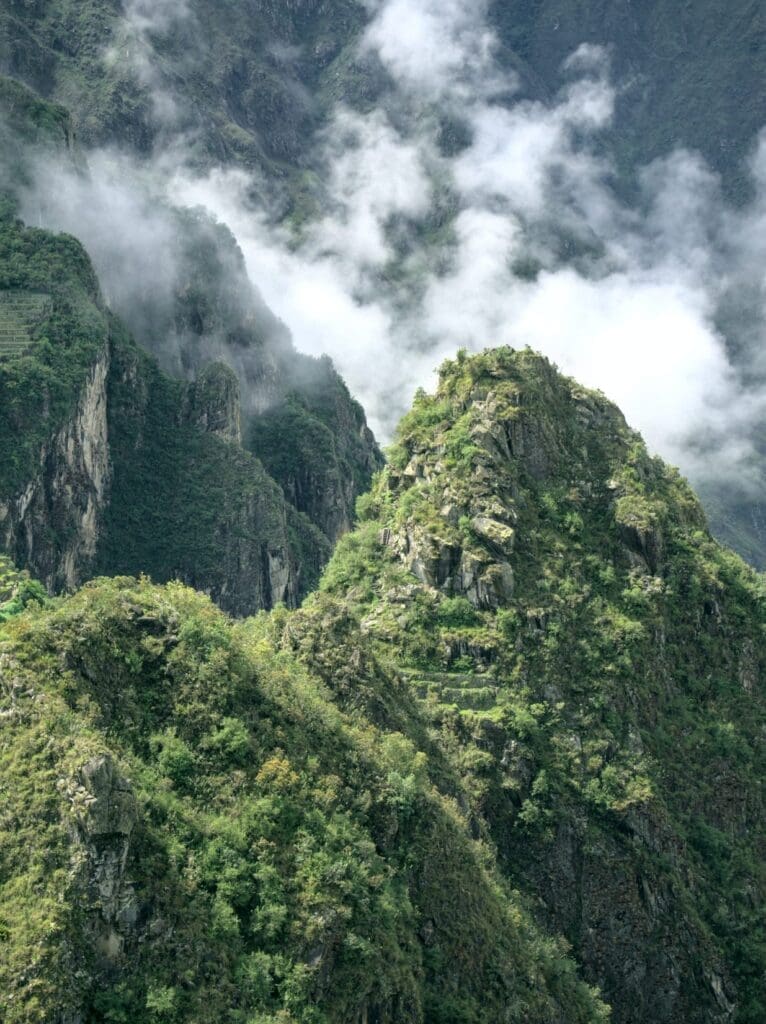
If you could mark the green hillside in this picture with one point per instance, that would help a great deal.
(515, 739)
(594, 662)
(291, 733)
(193, 831)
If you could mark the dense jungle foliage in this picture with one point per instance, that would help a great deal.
(601, 685)
(500, 757)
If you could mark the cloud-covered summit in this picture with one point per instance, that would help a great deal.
(503, 227)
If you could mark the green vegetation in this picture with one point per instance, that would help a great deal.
(267, 77)
(39, 390)
(17, 591)
(692, 76)
(177, 501)
(283, 860)
(526, 701)
(30, 128)
(316, 445)
(187, 504)
(32, 118)
(20, 313)
(590, 657)
(509, 752)
(242, 100)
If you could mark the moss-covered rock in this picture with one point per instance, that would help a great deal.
(605, 703)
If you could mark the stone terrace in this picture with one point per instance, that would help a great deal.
(20, 313)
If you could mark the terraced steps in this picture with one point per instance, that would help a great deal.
(468, 692)
(20, 313)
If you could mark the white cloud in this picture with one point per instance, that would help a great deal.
(375, 176)
(629, 300)
(436, 47)
(640, 326)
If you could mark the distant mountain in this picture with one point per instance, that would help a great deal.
(111, 465)
(255, 79)
(691, 75)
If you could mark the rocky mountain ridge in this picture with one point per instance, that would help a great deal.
(685, 80)
(525, 702)
(114, 467)
(552, 595)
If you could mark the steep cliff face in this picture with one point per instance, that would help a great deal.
(297, 415)
(110, 465)
(103, 816)
(213, 403)
(595, 662)
(314, 440)
(53, 525)
(54, 365)
(188, 502)
(77, 387)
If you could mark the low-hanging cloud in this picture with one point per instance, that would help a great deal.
(646, 302)
(439, 48)
(141, 23)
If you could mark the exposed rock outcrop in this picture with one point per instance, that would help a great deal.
(578, 632)
(54, 525)
(104, 812)
(214, 404)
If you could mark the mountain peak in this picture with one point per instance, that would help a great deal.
(551, 594)
(508, 460)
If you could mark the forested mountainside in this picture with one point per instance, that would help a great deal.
(265, 88)
(256, 78)
(693, 72)
(526, 702)
(594, 661)
(290, 734)
(252, 77)
(111, 465)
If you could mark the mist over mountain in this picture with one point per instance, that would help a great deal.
(405, 179)
(467, 730)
